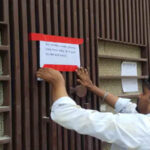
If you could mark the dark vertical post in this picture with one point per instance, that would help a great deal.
(17, 113)
(130, 22)
(25, 76)
(64, 144)
(134, 21)
(117, 20)
(112, 20)
(121, 20)
(141, 22)
(41, 84)
(33, 80)
(102, 9)
(107, 12)
(137, 21)
(125, 13)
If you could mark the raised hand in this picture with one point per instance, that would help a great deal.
(50, 75)
(84, 78)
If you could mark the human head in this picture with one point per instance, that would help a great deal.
(144, 98)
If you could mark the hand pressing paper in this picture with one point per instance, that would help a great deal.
(60, 56)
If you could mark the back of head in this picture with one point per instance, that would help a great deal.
(146, 83)
(146, 88)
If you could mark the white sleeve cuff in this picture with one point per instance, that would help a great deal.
(121, 104)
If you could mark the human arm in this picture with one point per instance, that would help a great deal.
(121, 105)
(58, 90)
(85, 80)
(103, 126)
(57, 81)
(68, 114)
(110, 99)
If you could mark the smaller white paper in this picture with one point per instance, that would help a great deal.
(129, 69)
(130, 85)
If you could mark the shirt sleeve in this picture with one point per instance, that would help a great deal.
(103, 126)
(124, 105)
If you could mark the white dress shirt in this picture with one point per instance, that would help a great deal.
(126, 131)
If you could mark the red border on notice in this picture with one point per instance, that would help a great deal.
(53, 38)
(62, 67)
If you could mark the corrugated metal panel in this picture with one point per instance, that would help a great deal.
(118, 20)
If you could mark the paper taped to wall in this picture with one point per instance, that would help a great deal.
(61, 56)
(130, 85)
(129, 69)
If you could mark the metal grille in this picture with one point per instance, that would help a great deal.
(118, 20)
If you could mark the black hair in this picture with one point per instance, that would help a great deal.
(146, 83)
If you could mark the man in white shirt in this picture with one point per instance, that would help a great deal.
(129, 129)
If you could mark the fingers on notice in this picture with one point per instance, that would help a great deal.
(86, 71)
(40, 70)
(43, 70)
(81, 71)
(78, 71)
(38, 75)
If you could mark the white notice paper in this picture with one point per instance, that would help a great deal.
(130, 85)
(59, 54)
(129, 69)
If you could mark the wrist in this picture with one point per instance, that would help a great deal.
(58, 83)
(91, 86)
